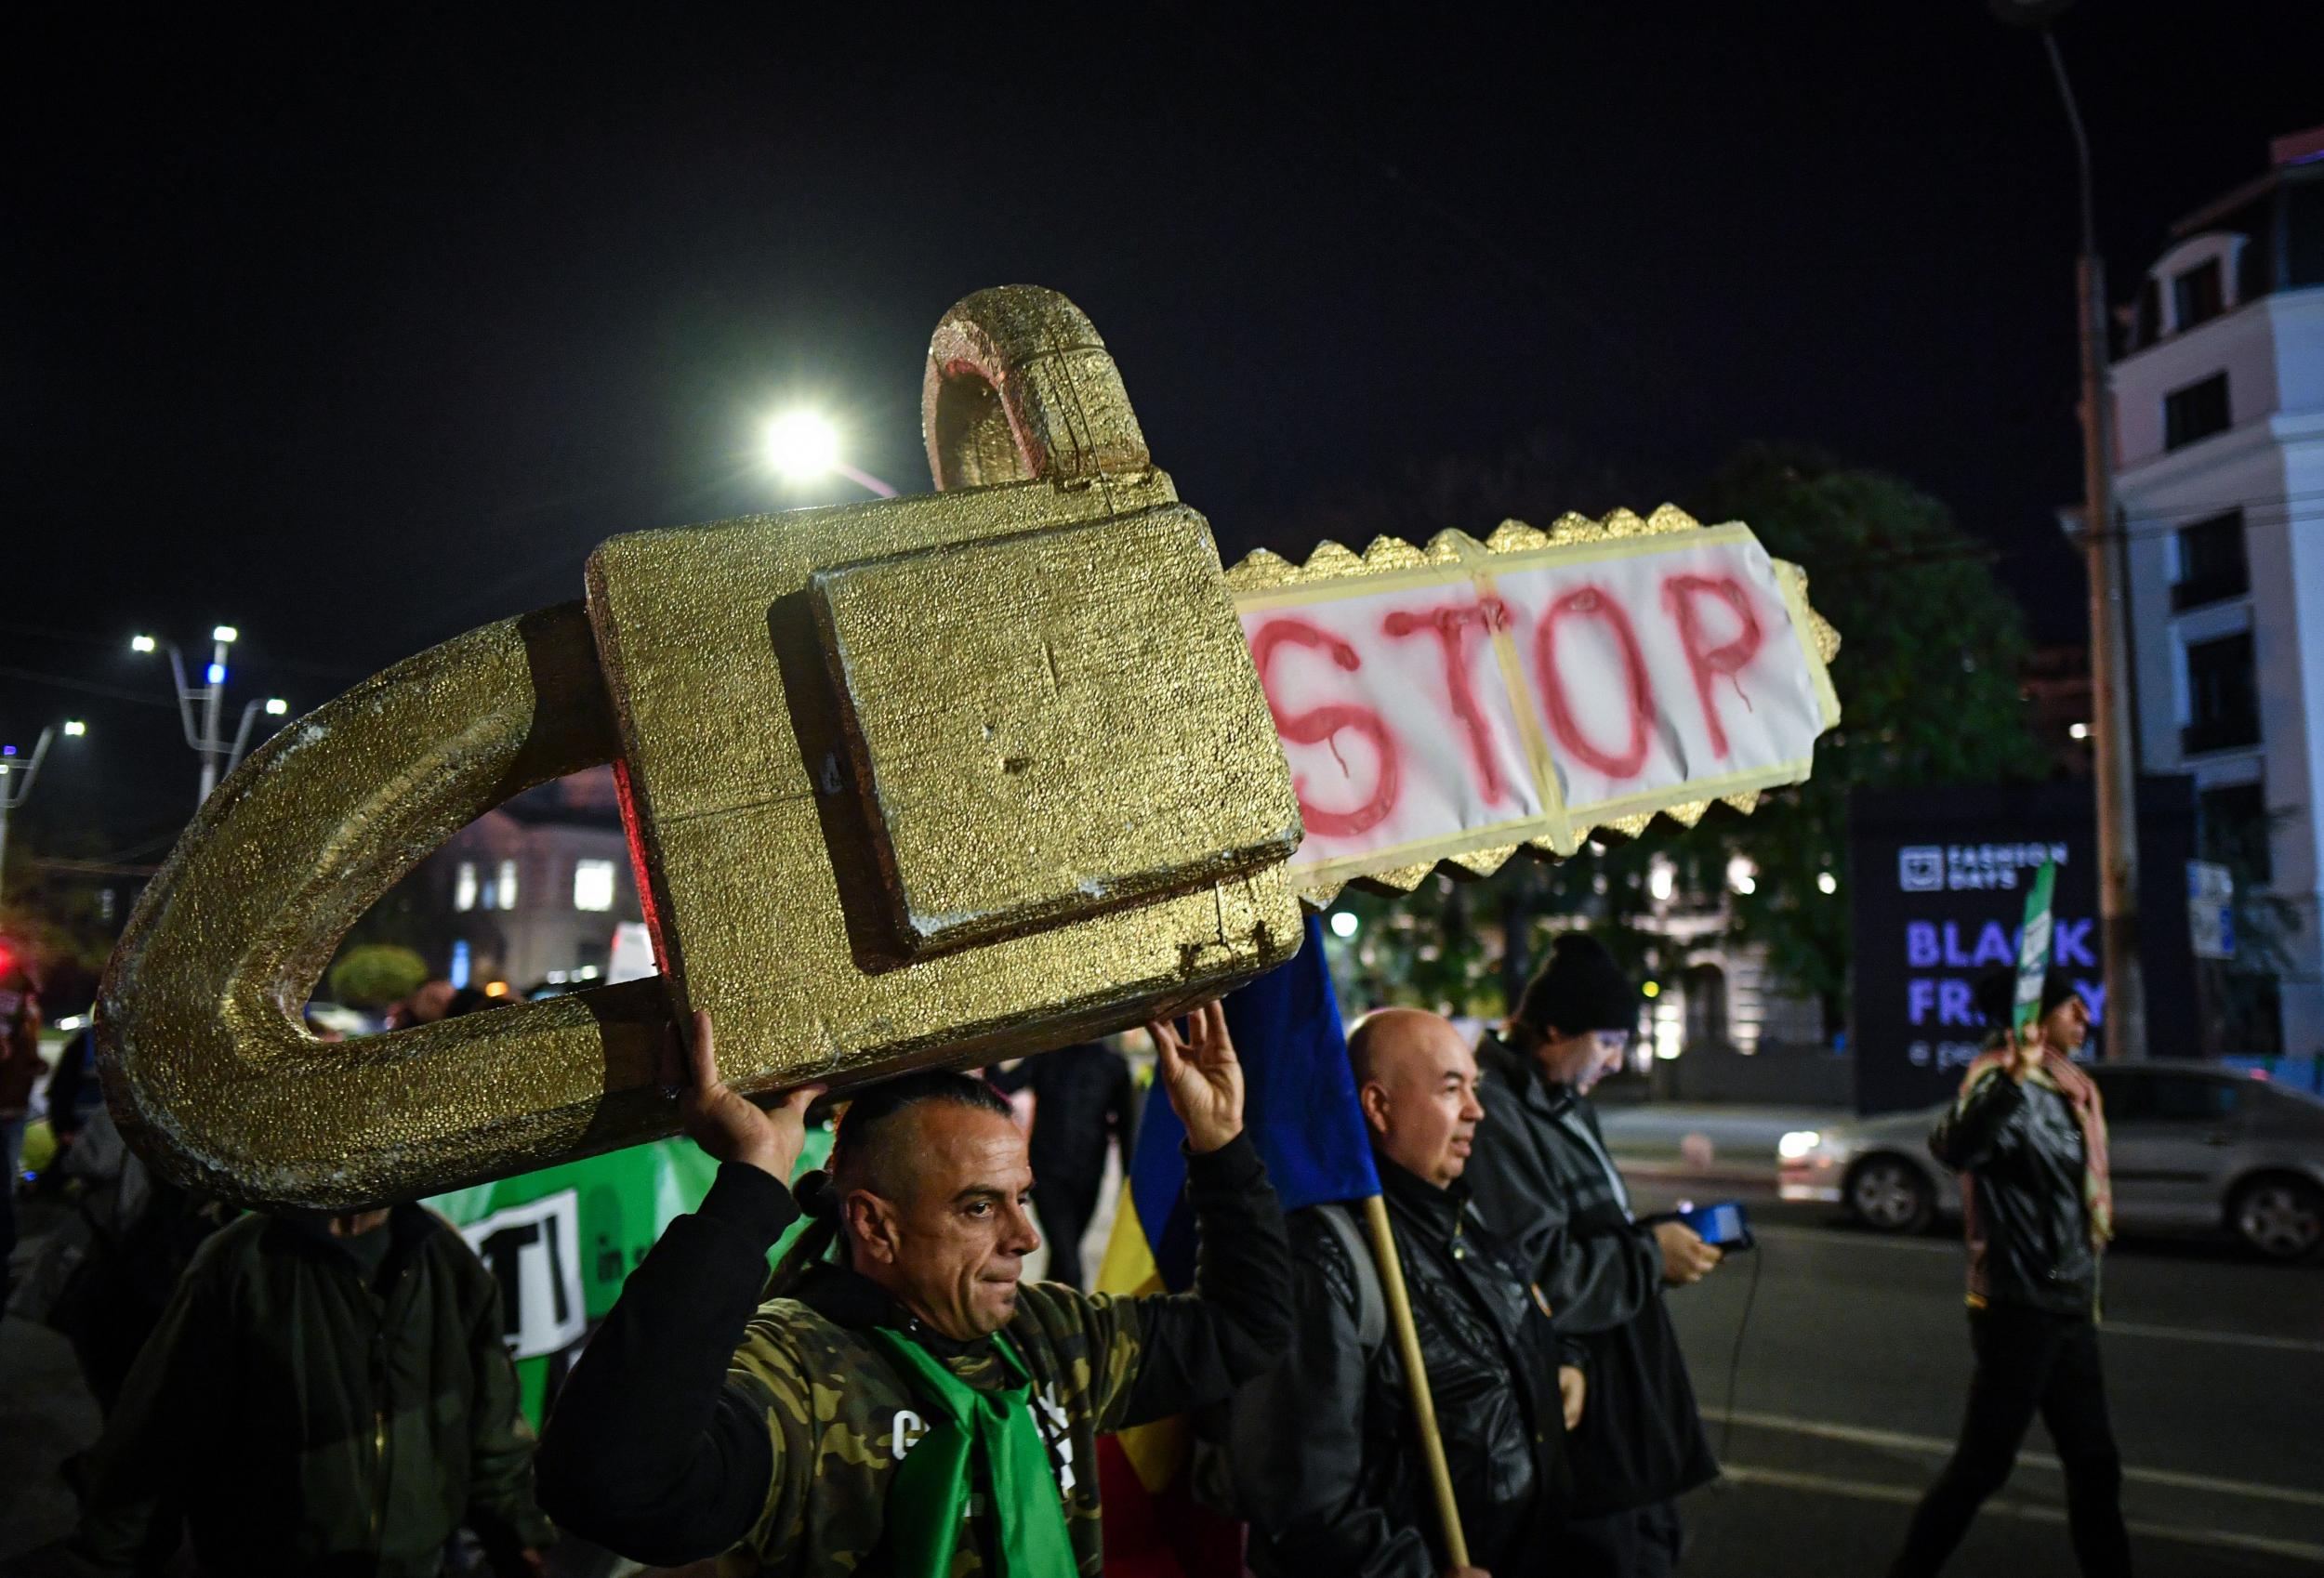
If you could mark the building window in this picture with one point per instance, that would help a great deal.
(2223, 701)
(507, 885)
(592, 885)
(464, 885)
(2255, 1015)
(2195, 412)
(2212, 565)
(2195, 295)
(2232, 823)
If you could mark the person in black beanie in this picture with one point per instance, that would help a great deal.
(2027, 1134)
(1542, 1178)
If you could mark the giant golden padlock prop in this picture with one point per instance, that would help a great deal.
(950, 778)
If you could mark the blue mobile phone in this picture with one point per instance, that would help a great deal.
(1721, 1226)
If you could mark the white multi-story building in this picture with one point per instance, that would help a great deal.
(2219, 489)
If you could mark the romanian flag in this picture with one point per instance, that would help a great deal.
(1299, 1109)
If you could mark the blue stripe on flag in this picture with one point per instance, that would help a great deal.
(1299, 1107)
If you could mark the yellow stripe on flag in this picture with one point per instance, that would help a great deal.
(1158, 1452)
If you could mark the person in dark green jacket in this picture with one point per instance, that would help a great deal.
(322, 1396)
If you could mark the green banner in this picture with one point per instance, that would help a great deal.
(563, 1240)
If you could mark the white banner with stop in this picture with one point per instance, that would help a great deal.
(1474, 696)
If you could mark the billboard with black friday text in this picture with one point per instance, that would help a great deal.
(1938, 879)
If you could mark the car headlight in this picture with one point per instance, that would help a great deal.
(1798, 1143)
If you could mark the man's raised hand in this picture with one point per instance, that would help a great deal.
(725, 1122)
(1203, 1076)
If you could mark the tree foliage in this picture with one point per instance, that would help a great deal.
(376, 974)
(1927, 677)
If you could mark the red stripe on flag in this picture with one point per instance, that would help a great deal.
(1161, 1535)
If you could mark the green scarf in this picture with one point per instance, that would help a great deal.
(930, 1498)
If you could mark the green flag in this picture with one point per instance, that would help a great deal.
(2033, 948)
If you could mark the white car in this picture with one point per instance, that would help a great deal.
(2192, 1147)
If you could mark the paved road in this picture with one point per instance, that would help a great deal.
(1856, 1362)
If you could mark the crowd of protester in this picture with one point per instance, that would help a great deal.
(304, 1393)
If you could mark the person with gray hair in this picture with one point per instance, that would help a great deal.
(1326, 1448)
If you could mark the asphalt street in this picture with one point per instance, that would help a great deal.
(1854, 1365)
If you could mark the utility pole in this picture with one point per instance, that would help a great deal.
(198, 706)
(2109, 677)
(18, 775)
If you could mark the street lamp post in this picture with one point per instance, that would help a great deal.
(18, 775)
(199, 705)
(2111, 738)
(2109, 646)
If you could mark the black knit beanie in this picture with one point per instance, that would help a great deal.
(1995, 993)
(1581, 989)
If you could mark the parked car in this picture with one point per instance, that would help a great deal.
(2193, 1147)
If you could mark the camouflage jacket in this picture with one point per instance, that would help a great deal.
(701, 1422)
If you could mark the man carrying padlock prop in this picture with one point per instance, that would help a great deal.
(918, 1397)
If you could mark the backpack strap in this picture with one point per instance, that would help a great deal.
(1372, 1304)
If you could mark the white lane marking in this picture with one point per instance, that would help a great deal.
(1897, 1441)
(1900, 1495)
(2196, 1333)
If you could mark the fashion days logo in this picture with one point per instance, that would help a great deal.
(1953, 868)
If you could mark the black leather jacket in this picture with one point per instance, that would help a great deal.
(2019, 1150)
(1333, 1480)
(1543, 1182)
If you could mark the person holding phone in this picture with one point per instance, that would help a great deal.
(1541, 1177)
(2027, 1134)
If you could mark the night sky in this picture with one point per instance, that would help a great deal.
(358, 340)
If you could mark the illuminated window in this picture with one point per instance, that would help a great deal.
(592, 885)
(464, 886)
(507, 885)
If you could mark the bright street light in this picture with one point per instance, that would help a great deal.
(801, 444)
(140, 643)
(804, 445)
(225, 633)
(276, 706)
(1343, 925)
(74, 727)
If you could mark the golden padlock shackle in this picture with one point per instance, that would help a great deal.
(1019, 389)
(209, 1068)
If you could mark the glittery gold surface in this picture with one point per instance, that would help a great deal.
(1260, 577)
(205, 1064)
(1027, 749)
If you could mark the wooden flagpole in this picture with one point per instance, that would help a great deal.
(1415, 1376)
